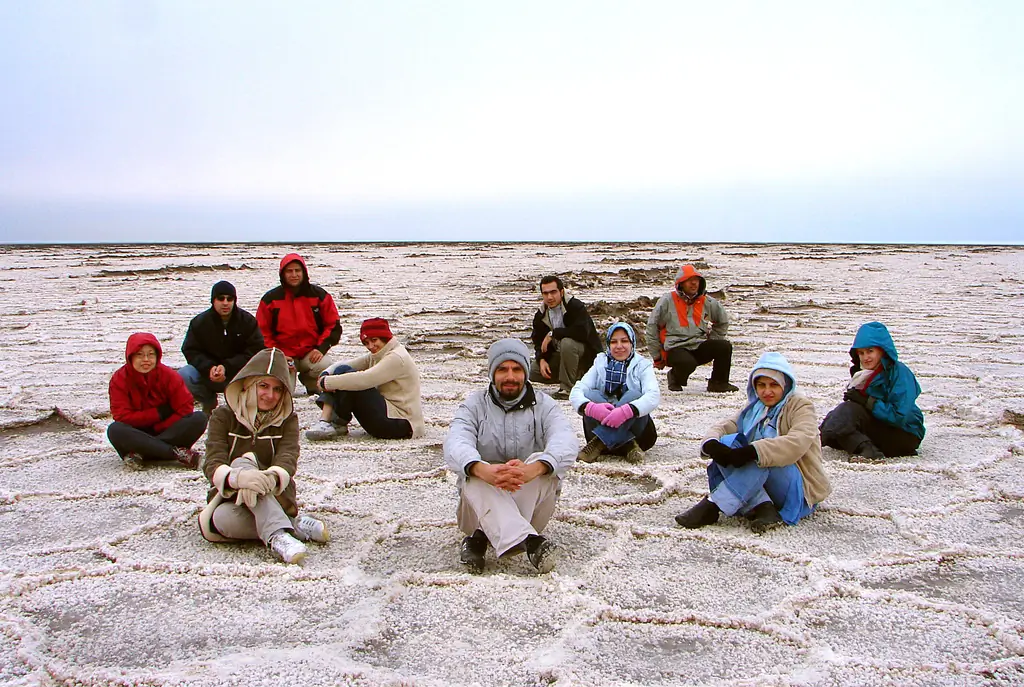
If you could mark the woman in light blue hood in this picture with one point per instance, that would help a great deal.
(615, 398)
(879, 416)
(766, 461)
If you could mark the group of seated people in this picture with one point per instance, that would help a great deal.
(509, 445)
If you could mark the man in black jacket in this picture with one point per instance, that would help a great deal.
(219, 342)
(564, 338)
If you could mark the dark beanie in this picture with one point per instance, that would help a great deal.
(375, 326)
(223, 288)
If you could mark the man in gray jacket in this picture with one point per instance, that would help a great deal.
(510, 447)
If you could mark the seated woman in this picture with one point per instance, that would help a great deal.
(252, 450)
(154, 414)
(382, 390)
(879, 416)
(765, 462)
(615, 398)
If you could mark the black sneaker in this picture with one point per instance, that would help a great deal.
(765, 516)
(716, 387)
(703, 514)
(541, 552)
(473, 550)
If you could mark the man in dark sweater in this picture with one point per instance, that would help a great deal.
(564, 338)
(219, 342)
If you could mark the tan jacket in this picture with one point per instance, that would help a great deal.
(798, 442)
(393, 373)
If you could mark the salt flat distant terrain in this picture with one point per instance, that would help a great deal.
(911, 573)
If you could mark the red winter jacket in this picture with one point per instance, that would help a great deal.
(297, 322)
(135, 397)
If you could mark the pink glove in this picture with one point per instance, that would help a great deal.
(598, 411)
(618, 416)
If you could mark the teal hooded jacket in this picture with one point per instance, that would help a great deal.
(895, 389)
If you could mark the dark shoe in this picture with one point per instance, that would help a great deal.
(189, 457)
(132, 462)
(764, 517)
(721, 387)
(673, 382)
(634, 454)
(867, 452)
(592, 451)
(473, 550)
(703, 514)
(560, 395)
(541, 552)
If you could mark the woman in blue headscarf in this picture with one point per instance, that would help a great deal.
(615, 398)
(765, 462)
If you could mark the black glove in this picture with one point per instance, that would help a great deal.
(738, 457)
(715, 448)
(165, 410)
(859, 397)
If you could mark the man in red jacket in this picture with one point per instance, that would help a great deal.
(301, 320)
(154, 415)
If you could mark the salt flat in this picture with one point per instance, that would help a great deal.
(910, 573)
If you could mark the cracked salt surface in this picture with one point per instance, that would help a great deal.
(910, 574)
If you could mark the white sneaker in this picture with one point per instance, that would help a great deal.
(322, 431)
(313, 529)
(288, 548)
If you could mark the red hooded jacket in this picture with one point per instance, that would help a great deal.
(135, 397)
(297, 322)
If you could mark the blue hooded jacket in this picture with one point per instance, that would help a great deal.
(895, 389)
(770, 361)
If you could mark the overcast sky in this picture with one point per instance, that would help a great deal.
(685, 121)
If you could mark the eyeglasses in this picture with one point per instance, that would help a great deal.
(226, 299)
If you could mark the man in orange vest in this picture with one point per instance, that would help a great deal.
(687, 328)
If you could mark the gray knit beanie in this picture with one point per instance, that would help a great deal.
(507, 349)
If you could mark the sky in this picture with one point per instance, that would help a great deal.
(143, 121)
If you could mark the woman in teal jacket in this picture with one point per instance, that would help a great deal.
(879, 416)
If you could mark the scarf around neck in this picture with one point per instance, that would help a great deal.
(615, 375)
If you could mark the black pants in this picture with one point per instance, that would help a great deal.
(849, 425)
(369, 407)
(684, 361)
(183, 433)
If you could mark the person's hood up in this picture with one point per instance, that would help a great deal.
(137, 341)
(687, 271)
(772, 361)
(872, 334)
(624, 327)
(240, 394)
(287, 260)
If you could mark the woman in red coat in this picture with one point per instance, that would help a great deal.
(154, 415)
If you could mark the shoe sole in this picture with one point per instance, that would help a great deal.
(319, 436)
(296, 559)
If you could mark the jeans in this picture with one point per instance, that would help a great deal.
(739, 490)
(633, 428)
(182, 434)
(203, 390)
(368, 406)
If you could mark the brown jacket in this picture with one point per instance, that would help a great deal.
(230, 434)
(798, 442)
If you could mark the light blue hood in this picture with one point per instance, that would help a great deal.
(772, 361)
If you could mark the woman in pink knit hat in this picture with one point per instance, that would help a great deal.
(381, 389)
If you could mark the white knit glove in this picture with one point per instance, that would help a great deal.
(258, 481)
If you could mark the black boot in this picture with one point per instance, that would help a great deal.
(541, 552)
(473, 550)
(674, 382)
(704, 513)
(765, 516)
(868, 452)
(718, 387)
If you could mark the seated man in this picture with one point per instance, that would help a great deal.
(565, 338)
(219, 342)
(510, 447)
(687, 328)
(300, 319)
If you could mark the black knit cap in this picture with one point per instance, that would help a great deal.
(223, 288)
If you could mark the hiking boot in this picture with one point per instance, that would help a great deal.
(189, 457)
(674, 383)
(132, 462)
(288, 548)
(312, 529)
(764, 516)
(592, 451)
(717, 387)
(703, 514)
(635, 454)
(867, 452)
(473, 550)
(560, 395)
(543, 554)
(323, 430)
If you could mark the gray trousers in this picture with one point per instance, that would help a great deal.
(259, 522)
(564, 362)
(308, 372)
(507, 517)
